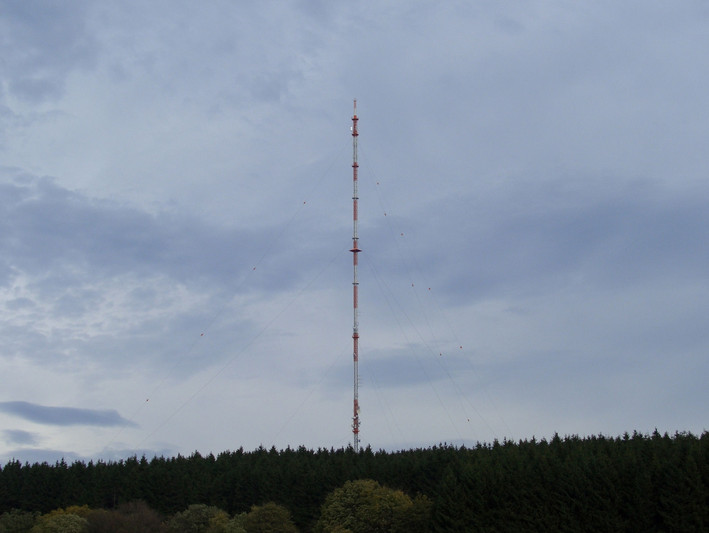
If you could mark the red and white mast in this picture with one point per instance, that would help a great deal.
(355, 283)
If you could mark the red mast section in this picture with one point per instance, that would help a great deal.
(355, 284)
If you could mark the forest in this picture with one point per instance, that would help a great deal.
(634, 482)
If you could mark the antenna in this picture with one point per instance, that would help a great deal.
(355, 283)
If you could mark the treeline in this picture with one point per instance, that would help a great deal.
(634, 482)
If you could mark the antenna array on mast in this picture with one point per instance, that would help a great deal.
(355, 283)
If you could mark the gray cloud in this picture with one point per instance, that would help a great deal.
(65, 416)
(544, 238)
(73, 255)
(41, 455)
(50, 456)
(409, 367)
(545, 163)
(18, 436)
(70, 238)
(43, 42)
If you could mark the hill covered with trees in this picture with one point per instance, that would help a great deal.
(634, 482)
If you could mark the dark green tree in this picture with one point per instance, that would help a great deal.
(17, 521)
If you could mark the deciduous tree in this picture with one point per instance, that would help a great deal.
(269, 518)
(365, 506)
(17, 521)
(198, 518)
(60, 523)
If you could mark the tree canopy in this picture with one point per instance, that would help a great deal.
(365, 506)
(269, 518)
(633, 482)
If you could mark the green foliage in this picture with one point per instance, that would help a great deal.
(633, 482)
(236, 524)
(365, 506)
(78, 510)
(269, 518)
(60, 522)
(199, 518)
(17, 521)
(134, 517)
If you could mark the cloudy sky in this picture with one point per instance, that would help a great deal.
(176, 215)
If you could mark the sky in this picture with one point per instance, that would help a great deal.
(176, 219)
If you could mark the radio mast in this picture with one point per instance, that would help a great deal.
(355, 283)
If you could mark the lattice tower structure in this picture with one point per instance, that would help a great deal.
(355, 283)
